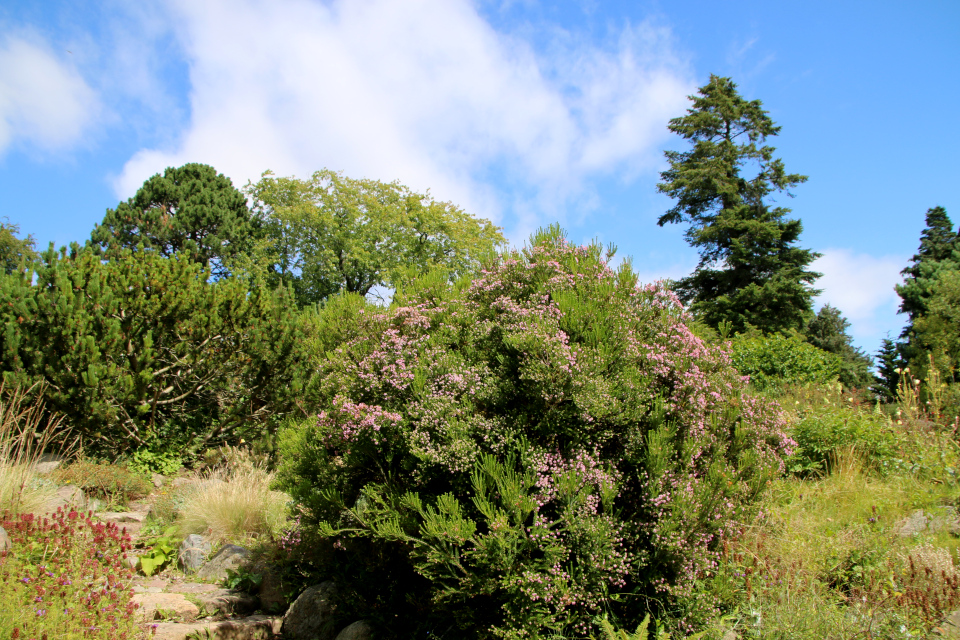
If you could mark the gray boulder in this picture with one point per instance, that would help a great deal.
(229, 557)
(310, 617)
(270, 591)
(194, 551)
(5, 544)
(359, 630)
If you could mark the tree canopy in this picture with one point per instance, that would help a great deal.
(828, 331)
(331, 233)
(15, 252)
(191, 210)
(751, 273)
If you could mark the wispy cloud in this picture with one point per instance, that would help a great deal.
(424, 91)
(862, 287)
(44, 102)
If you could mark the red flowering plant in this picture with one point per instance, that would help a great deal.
(65, 577)
(515, 455)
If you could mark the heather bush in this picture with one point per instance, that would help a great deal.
(517, 455)
(773, 361)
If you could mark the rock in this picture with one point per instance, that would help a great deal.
(228, 602)
(157, 480)
(944, 519)
(359, 630)
(194, 551)
(251, 628)
(229, 557)
(68, 496)
(48, 462)
(193, 587)
(130, 559)
(912, 525)
(730, 635)
(270, 592)
(310, 617)
(121, 517)
(5, 543)
(160, 606)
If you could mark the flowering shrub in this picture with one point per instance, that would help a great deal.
(65, 578)
(517, 454)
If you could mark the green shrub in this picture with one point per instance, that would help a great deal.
(143, 352)
(776, 360)
(108, 481)
(145, 461)
(512, 456)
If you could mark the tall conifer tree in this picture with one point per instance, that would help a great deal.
(939, 251)
(751, 272)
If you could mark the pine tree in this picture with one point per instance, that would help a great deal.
(828, 331)
(939, 251)
(889, 365)
(191, 210)
(751, 272)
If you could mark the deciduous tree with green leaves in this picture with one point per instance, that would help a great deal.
(191, 210)
(15, 252)
(751, 272)
(331, 233)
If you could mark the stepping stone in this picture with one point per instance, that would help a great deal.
(121, 517)
(155, 606)
(252, 628)
(228, 601)
(193, 587)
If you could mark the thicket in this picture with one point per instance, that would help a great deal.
(517, 455)
(145, 353)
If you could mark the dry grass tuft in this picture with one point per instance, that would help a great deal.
(24, 435)
(234, 502)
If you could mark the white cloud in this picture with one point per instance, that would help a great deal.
(424, 91)
(861, 286)
(43, 100)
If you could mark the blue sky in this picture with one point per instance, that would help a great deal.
(524, 112)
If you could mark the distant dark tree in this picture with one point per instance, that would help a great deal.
(191, 210)
(889, 365)
(828, 331)
(939, 252)
(15, 252)
(751, 272)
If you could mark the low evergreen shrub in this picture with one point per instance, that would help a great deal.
(514, 456)
(774, 361)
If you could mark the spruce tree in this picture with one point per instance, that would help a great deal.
(889, 365)
(751, 273)
(939, 252)
(191, 210)
(828, 331)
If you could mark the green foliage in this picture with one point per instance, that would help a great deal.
(828, 331)
(242, 579)
(937, 332)
(108, 481)
(190, 210)
(512, 455)
(825, 432)
(751, 273)
(889, 365)
(332, 233)
(939, 252)
(15, 253)
(163, 460)
(143, 351)
(776, 360)
(159, 551)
